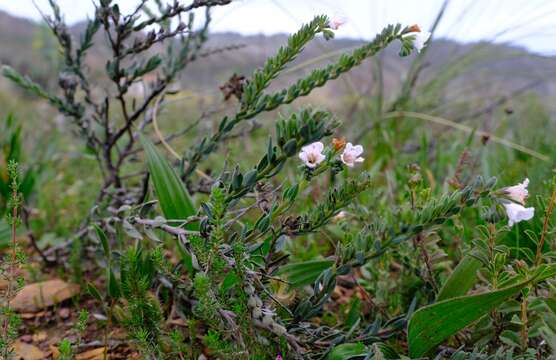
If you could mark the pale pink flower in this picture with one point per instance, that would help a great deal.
(336, 22)
(279, 357)
(351, 154)
(518, 193)
(312, 154)
(517, 213)
(420, 39)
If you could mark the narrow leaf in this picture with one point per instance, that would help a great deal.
(305, 273)
(173, 198)
(113, 286)
(431, 325)
(461, 280)
(93, 291)
(103, 240)
(347, 351)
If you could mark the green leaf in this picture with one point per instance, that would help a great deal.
(432, 324)
(461, 280)
(377, 350)
(113, 286)
(173, 198)
(103, 240)
(5, 234)
(229, 281)
(510, 338)
(354, 313)
(149, 66)
(4, 188)
(93, 291)
(305, 273)
(347, 351)
(186, 257)
(551, 303)
(27, 183)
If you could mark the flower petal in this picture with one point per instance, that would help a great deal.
(518, 193)
(517, 213)
(320, 158)
(342, 157)
(317, 146)
(357, 150)
(307, 148)
(310, 164)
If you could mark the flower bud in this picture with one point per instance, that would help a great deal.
(414, 28)
(338, 143)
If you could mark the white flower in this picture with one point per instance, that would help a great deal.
(351, 154)
(312, 154)
(518, 193)
(336, 22)
(420, 39)
(341, 215)
(517, 213)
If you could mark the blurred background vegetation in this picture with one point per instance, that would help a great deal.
(476, 91)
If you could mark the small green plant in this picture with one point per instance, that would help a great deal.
(143, 314)
(13, 260)
(67, 348)
(11, 150)
(129, 300)
(66, 351)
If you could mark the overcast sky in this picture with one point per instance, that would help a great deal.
(528, 23)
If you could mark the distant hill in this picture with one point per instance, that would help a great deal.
(16, 40)
(475, 70)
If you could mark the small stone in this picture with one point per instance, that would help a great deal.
(64, 313)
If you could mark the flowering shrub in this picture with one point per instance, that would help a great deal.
(228, 252)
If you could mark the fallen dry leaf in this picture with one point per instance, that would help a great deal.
(33, 315)
(35, 297)
(118, 334)
(55, 352)
(39, 336)
(178, 322)
(95, 354)
(26, 351)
